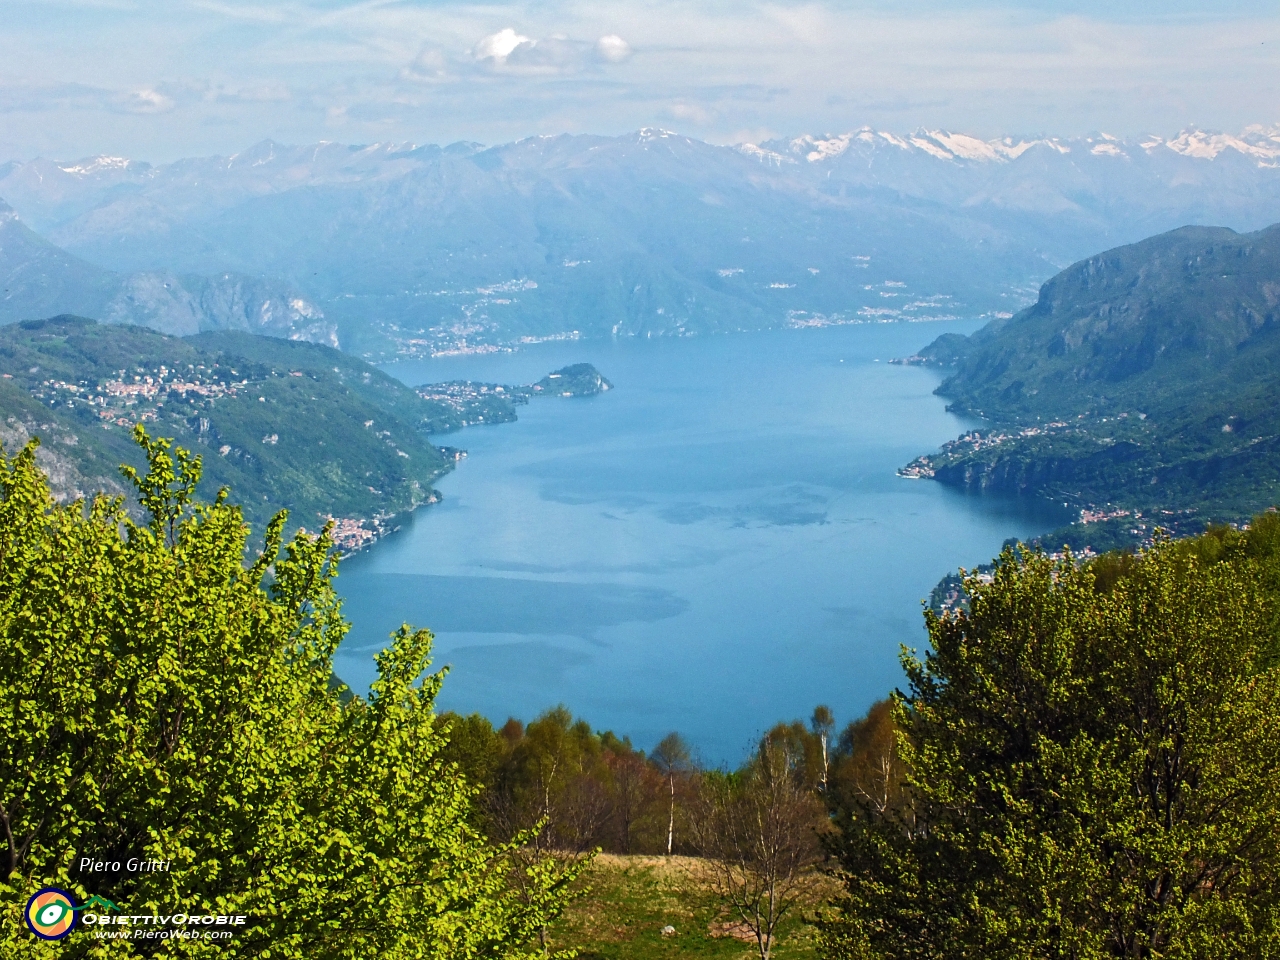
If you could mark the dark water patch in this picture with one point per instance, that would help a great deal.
(536, 663)
(451, 604)
(781, 515)
(687, 559)
(687, 513)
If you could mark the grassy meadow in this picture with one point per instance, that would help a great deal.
(631, 898)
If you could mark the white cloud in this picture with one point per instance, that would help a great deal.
(146, 100)
(613, 48)
(429, 66)
(237, 71)
(498, 46)
(556, 54)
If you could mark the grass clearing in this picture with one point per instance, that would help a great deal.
(629, 899)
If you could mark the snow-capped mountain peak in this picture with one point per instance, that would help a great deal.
(1257, 142)
(768, 157)
(940, 144)
(645, 134)
(101, 164)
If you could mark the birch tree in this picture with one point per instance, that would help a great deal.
(671, 757)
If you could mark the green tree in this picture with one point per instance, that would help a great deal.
(159, 699)
(1091, 770)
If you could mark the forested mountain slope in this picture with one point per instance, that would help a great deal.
(285, 424)
(1145, 377)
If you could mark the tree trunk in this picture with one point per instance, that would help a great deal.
(671, 819)
(824, 761)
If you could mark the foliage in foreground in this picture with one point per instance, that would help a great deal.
(1092, 768)
(160, 700)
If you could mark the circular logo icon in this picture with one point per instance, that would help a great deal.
(50, 913)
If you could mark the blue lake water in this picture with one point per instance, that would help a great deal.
(718, 543)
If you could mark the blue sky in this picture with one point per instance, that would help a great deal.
(161, 80)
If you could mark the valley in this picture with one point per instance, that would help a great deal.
(768, 481)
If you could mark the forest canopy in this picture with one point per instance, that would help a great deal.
(160, 700)
(1090, 766)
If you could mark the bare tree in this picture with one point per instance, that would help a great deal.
(756, 830)
(671, 757)
(582, 812)
(866, 769)
(633, 787)
(822, 723)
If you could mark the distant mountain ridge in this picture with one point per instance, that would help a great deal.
(38, 279)
(422, 249)
(1257, 142)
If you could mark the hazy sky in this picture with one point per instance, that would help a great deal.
(160, 80)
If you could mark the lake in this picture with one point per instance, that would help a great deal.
(718, 543)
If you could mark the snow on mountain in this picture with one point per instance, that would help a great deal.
(814, 149)
(764, 156)
(940, 144)
(94, 165)
(1258, 142)
(401, 247)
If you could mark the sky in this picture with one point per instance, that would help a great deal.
(163, 80)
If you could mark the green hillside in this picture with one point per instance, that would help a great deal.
(463, 403)
(284, 424)
(1142, 380)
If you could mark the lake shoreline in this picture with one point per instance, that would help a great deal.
(731, 508)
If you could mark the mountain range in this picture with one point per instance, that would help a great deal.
(40, 279)
(398, 249)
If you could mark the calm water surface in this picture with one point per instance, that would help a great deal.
(718, 543)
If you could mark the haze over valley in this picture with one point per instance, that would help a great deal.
(1123, 393)
(395, 250)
